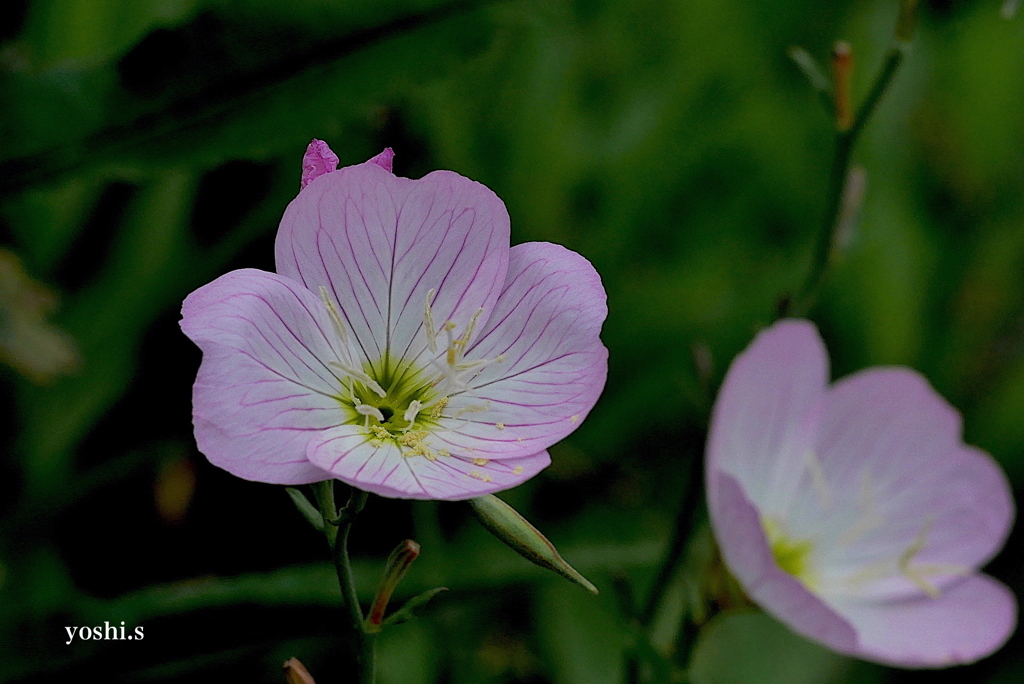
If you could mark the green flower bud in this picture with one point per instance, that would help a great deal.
(506, 524)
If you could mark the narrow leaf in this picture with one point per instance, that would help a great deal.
(409, 610)
(306, 508)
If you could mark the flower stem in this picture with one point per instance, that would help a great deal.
(337, 525)
(674, 555)
(846, 139)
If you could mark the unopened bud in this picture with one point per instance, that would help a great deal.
(506, 524)
(842, 75)
(296, 673)
(398, 563)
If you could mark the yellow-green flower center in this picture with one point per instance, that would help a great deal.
(409, 401)
(792, 555)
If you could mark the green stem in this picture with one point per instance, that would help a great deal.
(845, 142)
(337, 525)
(674, 555)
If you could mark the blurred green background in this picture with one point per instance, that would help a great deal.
(147, 146)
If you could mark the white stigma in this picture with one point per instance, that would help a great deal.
(368, 411)
(415, 406)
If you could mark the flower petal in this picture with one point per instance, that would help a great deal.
(452, 478)
(264, 385)
(318, 160)
(545, 326)
(378, 466)
(384, 159)
(380, 244)
(349, 454)
(737, 527)
(767, 412)
(902, 487)
(970, 620)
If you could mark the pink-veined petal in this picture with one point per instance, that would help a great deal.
(898, 478)
(384, 159)
(380, 244)
(545, 326)
(351, 455)
(264, 385)
(970, 620)
(453, 478)
(741, 539)
(766, 415)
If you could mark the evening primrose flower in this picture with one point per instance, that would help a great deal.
(853, 512)
(401, 347)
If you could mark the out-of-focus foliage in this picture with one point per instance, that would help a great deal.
(147, 146)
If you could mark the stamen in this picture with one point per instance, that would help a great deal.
(380, 431)
(428, 322)
(818, 478)
(452, 350)
(472, 408)
(468, 332)
(438, 407)
(339, 327)
(914, 574)
(345, 364)
(360, 376)
(871, 519)
(917, 574)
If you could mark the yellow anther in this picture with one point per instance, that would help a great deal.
(574, 418)
(518, 470)
(500, 426)
(480, 461)
(436, 409)
(381, 432)
(479, 476)
(473, 408)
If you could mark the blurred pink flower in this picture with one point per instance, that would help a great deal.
(402, 346)
(853, 512)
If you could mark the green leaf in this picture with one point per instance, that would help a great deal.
(752, 648)
(409, 610)
(307, 509)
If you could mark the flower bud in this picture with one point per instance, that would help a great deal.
(398, 563)
(842, 75)
(296, 673)
(506, 524)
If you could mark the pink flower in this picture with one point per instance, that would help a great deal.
(853, 512)
(402, 346)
